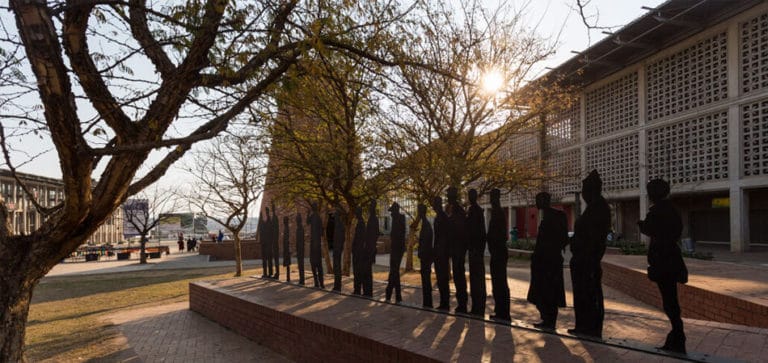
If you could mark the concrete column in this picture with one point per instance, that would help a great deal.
(739, 206)
(642, 147)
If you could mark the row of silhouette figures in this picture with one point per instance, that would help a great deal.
(456, 233)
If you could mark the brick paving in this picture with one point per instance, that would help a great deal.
(172, 333)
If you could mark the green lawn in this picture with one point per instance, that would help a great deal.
(67, 318)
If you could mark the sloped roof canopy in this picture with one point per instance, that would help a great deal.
(659, 28)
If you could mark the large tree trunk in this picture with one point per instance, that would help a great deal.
(239, 255)
(327, 256)
(347, 253)
(413, 237)
(16, 293)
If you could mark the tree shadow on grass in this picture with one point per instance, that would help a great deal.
(68, 287)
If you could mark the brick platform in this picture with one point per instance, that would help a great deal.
(314, 325)
(702, 298)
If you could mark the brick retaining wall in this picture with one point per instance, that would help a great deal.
(695, 302)
(225, 251)
(297, 338)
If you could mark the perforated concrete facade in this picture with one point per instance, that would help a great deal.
(694, 113)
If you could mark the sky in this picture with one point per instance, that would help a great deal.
(556, 20)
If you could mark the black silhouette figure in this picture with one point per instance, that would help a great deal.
(269, 232)
(315, 253)
(396, 255)
(286, 249)
(547, 289)
(330, 226)
(441, 253)
(426, 255)
(275, 241)
(588, 247)
(457, 243)
(339, 232)
(300, 247)
(497, 246)
(358, 252)
(476, 235)
(369, 256)
(264, 239)
(665, 261)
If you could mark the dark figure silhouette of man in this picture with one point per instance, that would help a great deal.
(315, 252)
(358, 253)
(371, 238)
(588, 247)
(442, 253)
(339, 233)
(476, 235)
(300, 247)
(497, 246)
(457, 242)
(547, 289)
(396, 255)
(267, 243)
(426, 255)
(264, 240)
(286, 249)
(275, 241)
(665, 262)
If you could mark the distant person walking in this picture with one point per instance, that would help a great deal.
(220, 237)
(665, 261)
(180, 242)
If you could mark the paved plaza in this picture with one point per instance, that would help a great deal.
(189, 337)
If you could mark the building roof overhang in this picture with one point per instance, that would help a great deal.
(659, 28)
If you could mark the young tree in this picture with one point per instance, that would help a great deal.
(228, 176)
(143, 213)
(322, 137)
(450, 128)
(116, 81)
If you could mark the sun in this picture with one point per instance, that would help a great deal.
(492, 81)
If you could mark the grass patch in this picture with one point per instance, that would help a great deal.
(67, 318)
